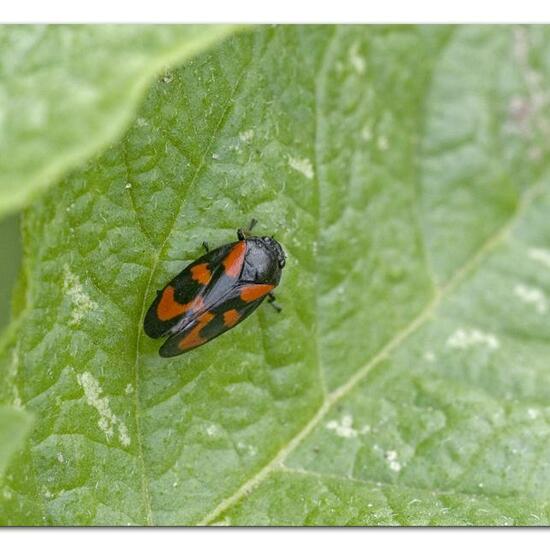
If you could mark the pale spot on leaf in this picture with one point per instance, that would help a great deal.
(343, 428)
(358, 62)
(540, 255)
(382, 143)
(211, 430)
(107, 422)
(366, 133)
(393, 463)
(429, 356)
(533, 296)
(467, 338)
(246, 136)
(303, 166)
(81, 302)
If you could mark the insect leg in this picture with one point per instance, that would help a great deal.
(205, 246)
(243, 233)
(271, 299)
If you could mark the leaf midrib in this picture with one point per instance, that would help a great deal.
(156, 260)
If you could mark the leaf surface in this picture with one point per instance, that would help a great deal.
(14, 426)
(406, 381)
(67, 91)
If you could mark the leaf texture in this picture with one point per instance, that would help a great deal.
(406, 382)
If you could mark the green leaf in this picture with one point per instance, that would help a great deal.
(67, 91)
(403, 170)
(14, 426)
(10, 251)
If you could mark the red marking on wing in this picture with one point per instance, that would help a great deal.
(231, 318)
(168, 307)
(193, 338)
(249, 293)
(233, 262)
(201, 273)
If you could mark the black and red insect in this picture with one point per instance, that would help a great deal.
(215, 292)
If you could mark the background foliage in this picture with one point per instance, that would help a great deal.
(404, 171)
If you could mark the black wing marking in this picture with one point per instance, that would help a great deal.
(184, 297)
(211, 323)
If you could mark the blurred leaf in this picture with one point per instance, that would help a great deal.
(403, 169)
(67, 90)
(14, 426)
(10, 253)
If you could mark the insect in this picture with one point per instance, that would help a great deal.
(215, 292)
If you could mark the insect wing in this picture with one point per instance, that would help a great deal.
(238, 305)
(185, 296)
